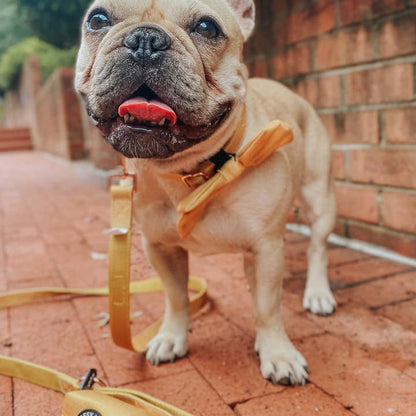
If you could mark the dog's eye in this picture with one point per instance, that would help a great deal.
(98, 21)
(208, 28)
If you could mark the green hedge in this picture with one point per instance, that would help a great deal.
(11, 63)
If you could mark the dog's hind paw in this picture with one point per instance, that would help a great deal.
(165, 348)
(320, 303)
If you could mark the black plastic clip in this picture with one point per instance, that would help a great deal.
(89, 380)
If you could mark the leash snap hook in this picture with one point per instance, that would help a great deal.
(88, 382)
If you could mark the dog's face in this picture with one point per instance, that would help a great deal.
(159, 76)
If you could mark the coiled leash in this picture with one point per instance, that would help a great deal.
(90, 397)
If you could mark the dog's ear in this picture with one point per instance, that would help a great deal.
(246, 13)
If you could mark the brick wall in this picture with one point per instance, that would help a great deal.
(59, 119)
(355, 61)
(19, 104)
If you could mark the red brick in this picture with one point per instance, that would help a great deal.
(60, 132)
(320, 92)
(403, 244)
(357, 127)
(382, 292)
(229, 348)
(315, 20)
(390, 83)
(293, 402)
(400, 313)
(123, 367)
(384, 167)
(362, 271)
(21, 232)
(374, 389)
(188, 391)
(357, 203)
(339, 255)
(401, 125)
(27, 396)
(51, 327)
(344, 48)
(373, 334)
(338, 164)
(29, 267)
(296, 60)
(101, 153)
(286, 5)
(6, 406)
(260, 68)
(61, 236)
(354, 10)
(382, 7)
(398, 37)
(399, 211)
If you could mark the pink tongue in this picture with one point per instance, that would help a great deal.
(153, 110)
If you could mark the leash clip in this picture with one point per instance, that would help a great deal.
(88, 382)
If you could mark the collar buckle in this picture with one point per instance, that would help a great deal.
(194, 180)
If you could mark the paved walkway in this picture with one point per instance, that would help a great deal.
(52, 214)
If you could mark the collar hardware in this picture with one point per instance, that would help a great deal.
(195, 180)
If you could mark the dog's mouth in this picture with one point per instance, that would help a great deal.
(147, 127)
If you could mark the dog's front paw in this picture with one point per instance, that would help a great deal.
(166, 347)
(285, 368)
(282, 363)
(319, 302)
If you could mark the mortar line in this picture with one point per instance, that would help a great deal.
(374, 279)
(393, 303)
(367, 66)
(376, 187)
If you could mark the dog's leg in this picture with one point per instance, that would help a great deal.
(320, 204)
(172, 340)
(280, 361)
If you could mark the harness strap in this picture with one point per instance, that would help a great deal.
(274, 136)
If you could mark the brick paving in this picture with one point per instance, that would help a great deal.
(52, 214)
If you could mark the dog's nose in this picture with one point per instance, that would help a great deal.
(146, 42)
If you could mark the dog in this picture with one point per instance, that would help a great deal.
(165, 83)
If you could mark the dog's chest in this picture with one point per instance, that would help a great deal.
(238, 215)
(220, 228)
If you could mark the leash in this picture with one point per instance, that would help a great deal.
(92, 399)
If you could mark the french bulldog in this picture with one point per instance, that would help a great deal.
(165, 83)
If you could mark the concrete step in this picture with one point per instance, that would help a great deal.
(15, 139)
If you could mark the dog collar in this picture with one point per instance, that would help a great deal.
(274, 136)
(207, 169)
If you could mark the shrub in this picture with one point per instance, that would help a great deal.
(54, 21)
(12, 61)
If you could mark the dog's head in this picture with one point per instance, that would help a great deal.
(160, 76)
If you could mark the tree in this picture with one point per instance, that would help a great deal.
(12, 29)
(54, 21)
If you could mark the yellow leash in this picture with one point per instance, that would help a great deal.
(104, 401)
